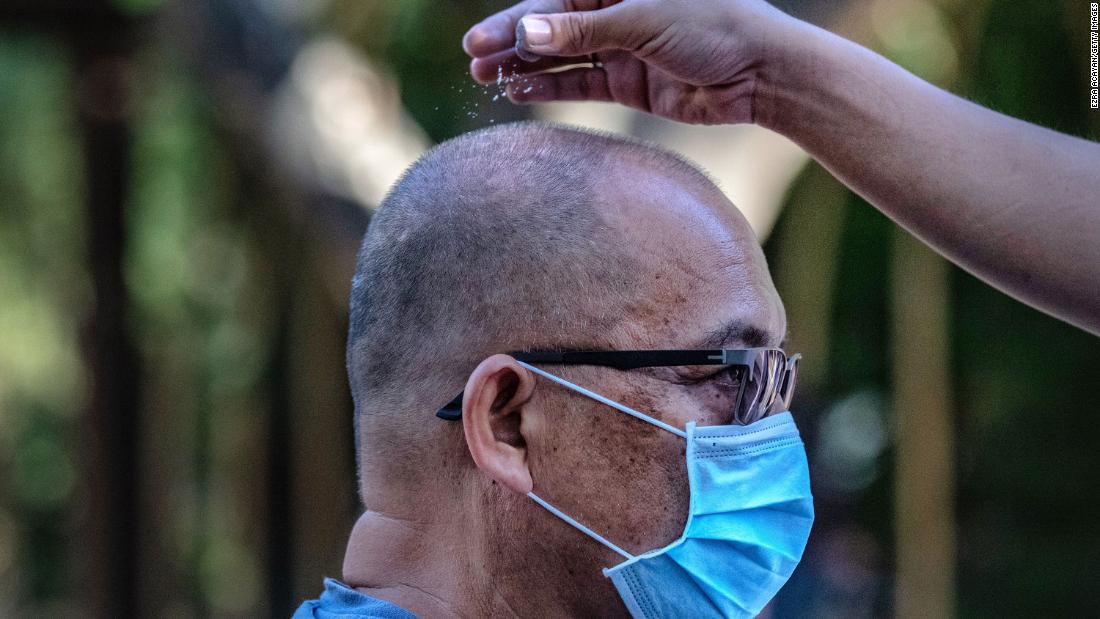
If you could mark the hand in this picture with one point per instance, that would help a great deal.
(695, 61)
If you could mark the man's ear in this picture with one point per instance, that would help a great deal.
(492, 407)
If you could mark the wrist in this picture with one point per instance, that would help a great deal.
(792, 66)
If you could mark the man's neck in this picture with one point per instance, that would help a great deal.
(419, 566)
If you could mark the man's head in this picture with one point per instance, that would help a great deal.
(537, 237)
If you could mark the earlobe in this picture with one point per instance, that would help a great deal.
(492, 412)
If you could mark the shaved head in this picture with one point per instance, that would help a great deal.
(525, 237)
(498, 240)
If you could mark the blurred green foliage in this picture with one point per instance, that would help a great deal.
(43, 291)
(1029, 382)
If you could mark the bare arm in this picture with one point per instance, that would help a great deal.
(1013, 203)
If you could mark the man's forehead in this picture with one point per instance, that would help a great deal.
(708, 304)
(706, 282)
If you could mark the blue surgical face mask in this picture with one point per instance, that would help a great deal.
(748, 521)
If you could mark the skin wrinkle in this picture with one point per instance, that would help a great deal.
(504, 600)
(676, 263)
(443, 603)
(408, 523)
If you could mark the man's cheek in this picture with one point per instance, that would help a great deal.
(648, 478)
(654, 498)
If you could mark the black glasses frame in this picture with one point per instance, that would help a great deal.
(633, 359)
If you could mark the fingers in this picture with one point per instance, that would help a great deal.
(585, 84)
(506, 64)
(624, 26)
(495, 33)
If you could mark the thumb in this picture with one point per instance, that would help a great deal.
(583, 32)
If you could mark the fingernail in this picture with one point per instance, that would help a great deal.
(535, 31)
(526, 55)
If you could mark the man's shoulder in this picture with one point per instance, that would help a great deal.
(339, 601)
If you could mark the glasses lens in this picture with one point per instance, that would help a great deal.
(789, 380)
(761, 386)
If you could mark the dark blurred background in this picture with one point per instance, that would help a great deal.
(182, 189)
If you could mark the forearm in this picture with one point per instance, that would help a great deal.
(1013, 203)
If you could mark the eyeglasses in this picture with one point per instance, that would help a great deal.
(764, 376)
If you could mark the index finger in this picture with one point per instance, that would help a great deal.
(496, 32)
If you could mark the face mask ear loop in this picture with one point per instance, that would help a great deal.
(612, 403)
(583, 529)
